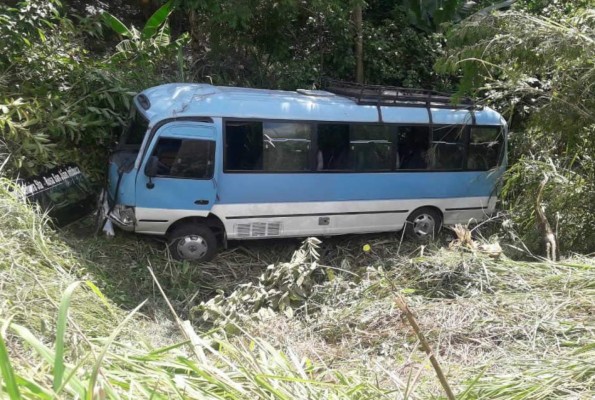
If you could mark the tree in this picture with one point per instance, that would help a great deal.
(541, 69)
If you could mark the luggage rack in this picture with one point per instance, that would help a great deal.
(377, 95)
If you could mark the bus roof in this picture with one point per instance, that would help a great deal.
(204, 100)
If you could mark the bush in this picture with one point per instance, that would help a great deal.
(539, 70)
(60, 103)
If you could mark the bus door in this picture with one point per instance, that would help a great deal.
(181, 157)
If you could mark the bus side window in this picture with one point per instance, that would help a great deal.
(371, 147)
(485, 145)
(287, 146)
(413, 145)
(333, 147)
(243, 146)
(448, 147)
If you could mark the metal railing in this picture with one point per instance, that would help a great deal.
(378, 95)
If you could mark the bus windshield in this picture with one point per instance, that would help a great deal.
(135, 132)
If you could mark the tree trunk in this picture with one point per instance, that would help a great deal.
(359, 44)
(551, 244)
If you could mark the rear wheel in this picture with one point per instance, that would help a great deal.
(192, 242)
(423, 224)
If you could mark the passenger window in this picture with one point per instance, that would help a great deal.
(371, 147)
(333, 147)
(485, 145)
(447, 150)
(287, 146)
(243, 146)
(413, 144)
(185, 158)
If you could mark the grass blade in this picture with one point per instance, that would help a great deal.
(112, 337)
(101, 296)
(60, 331)
(7, 372)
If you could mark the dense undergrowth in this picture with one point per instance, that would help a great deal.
(321, 323)
(62, 337)
(276, 319)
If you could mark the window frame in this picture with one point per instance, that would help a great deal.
(213, 157)
(134, 114)
(465, 142)
(501, 153)
(394, 147)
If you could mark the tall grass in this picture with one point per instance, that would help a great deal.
(64, 339)
(501, 328)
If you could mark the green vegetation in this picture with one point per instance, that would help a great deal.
(83, 316)
(321, 325)
(58, 101)
(93, 349)
(539, 70)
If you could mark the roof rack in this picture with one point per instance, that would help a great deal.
(377, 95)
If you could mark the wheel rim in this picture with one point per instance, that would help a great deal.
(192, 247)
(424, 225)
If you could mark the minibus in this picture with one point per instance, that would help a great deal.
(202, 164)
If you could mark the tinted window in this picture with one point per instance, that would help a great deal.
(333, 147)
(286, 146)
(485, 145)
(243, 146)
(413, 145)
(447, 148)
(135, 132)
(185, 158)
(371, 147)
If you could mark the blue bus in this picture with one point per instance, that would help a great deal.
(200, 164)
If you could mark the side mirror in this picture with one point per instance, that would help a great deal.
(151, 170)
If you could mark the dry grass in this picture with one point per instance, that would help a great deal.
(483, 316)
(525, 329)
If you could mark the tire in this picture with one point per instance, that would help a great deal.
(192, 242)
(423, 224)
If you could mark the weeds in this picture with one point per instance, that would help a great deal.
(499, 327)
(73, 357)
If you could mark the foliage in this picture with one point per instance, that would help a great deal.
(481, 314)
(289, 44)
(282, 287)
(398, 54)
(566, 377)
(59, 102)
(541, 70)
(62, 339)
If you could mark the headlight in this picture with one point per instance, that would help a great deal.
(125, 214)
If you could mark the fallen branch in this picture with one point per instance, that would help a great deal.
(551, 248)
(424, 343)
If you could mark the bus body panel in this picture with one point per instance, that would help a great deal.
(172, 198)
(255, 205)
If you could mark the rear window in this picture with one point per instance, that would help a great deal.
(135, 131)
(485, 147)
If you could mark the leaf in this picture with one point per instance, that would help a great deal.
(110, 340)
(156, 20)
(101, 296)
(7, 372)
(41, 35)
(117, 25)
(60, 331)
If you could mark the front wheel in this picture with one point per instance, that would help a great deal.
(423, 224)
(192, 242)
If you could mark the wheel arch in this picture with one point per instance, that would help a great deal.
(211, 220)
(430, 206)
